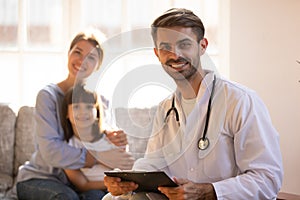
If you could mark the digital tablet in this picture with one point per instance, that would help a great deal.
(147, 181)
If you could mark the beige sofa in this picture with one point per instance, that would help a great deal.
(17, 131)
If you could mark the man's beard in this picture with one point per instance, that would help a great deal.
(185, 74)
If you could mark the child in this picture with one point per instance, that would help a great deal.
(82, 121)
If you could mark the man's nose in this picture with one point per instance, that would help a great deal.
(175, 53)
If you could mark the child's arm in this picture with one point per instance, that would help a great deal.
(79, 180)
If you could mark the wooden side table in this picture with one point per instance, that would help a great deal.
(287, 196)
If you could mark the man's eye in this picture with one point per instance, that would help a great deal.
(165, 48)
(184, 45)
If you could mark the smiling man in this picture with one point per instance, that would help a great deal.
(213, 136)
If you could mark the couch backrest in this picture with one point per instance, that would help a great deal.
(7, 138)
(25, 136)
(137, 123)
(17, 134)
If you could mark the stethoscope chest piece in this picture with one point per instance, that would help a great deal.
(203, 143)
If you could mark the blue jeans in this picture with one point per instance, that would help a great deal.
(53, 190)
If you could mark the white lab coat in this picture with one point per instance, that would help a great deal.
(243, 160)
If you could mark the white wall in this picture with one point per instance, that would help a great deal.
(264, 46)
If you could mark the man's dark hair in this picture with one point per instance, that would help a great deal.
(178, 17)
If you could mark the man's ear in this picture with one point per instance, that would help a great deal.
(156, 52)
(203, 45)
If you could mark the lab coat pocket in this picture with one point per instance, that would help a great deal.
(220, 162)
(172, 147)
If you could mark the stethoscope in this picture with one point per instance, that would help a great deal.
(203, 142)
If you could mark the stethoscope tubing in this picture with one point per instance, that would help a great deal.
(203, 142)
(209, 109)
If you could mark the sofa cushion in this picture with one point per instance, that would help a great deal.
(7, 137)
(25, 134)
(137, 123)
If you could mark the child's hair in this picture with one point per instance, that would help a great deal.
(79, 94)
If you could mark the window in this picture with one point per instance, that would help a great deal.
(42, 27)
(31, 48)
(9, 25)
(35, 36)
